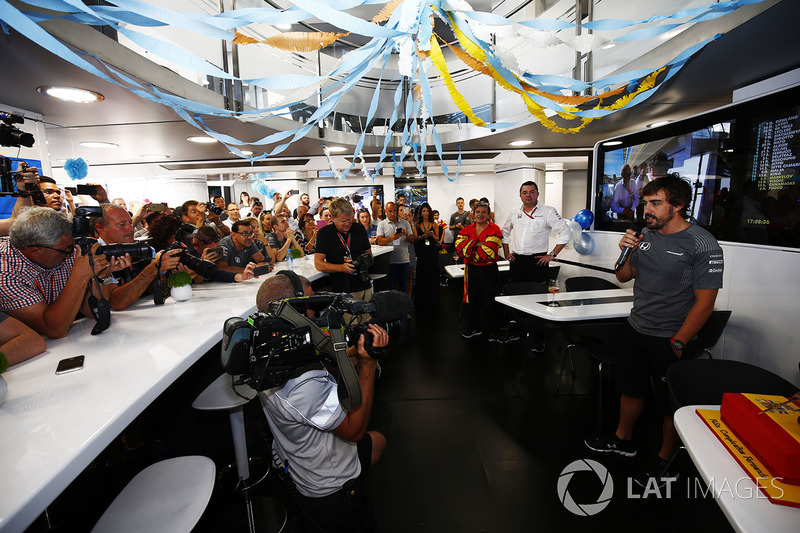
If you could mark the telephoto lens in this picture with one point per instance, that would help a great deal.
(136, 251)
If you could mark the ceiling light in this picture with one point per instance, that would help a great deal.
(201, 139)
(521, 142)
(612, 143)
(607, 46)
(658, 124)
(337, 149)
(244, 152)
(98, 144)
(283, 27)
(154, 156)
(71, 94)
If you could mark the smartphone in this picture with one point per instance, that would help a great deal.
(71, 364)
(218, 252)
(294, 191)
(91, 190)
(398, 231)
(261, 270)
(157, 208)
(73, 190)
(321, 224)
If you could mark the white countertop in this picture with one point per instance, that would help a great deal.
(594, 310)
(731, 484)
(52, 426)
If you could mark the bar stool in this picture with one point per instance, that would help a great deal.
(168, 496)
(221, 396)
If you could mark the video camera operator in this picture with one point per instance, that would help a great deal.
(325, 450)
(116, 227)
(28, 195)
(339, 247)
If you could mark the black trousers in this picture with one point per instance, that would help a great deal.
(481, 289)
(526, 268)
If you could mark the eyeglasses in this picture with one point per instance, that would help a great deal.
(245, 234)
(52, 191)
(68, 251)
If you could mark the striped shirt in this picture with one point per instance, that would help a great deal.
(24, 283)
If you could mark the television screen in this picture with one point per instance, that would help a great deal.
(742, 161)
(359, 196)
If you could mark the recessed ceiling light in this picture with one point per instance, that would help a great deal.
(154, 156)
(521, 142)
(201, 139)
(607, 46)
(612, 143)
(468, 175)
(244, 152)
(283, 27)
(337, 149)
(71, 94)
(658, 124)
(98, 144)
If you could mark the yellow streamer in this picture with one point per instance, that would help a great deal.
(384, 14)
(438, 60)
(296, 41)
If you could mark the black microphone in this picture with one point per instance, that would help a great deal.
(389, 306)
(623, 257)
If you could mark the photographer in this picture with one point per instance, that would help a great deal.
(116, 227)
(197, 214)
(338, 244)
(325, 450)
(26, 175)
(44, 276)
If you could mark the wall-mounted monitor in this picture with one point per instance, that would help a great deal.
(360, 196)
(743, 162)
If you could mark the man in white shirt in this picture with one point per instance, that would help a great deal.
(626, 197)
(526, 233)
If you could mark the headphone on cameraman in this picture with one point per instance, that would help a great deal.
(296, 283)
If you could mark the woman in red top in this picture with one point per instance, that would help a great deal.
(479, 245)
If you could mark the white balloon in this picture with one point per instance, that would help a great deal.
(575, 228)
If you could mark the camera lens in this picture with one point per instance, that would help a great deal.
(136, 251)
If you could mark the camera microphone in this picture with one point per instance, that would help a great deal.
(389, 306)
(623, 257)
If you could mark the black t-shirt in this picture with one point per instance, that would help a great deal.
(333, 244)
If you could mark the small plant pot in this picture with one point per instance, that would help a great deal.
(181, 294)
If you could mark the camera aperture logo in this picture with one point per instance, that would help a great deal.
(585, 509)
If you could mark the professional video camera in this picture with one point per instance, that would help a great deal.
(269, 348)
(81, 231)
(200, 266)
(12, 136)
(7, 179)
(361, 265)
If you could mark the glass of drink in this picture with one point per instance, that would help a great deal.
(553, 288)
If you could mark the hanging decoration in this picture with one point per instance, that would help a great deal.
(76, 169)
(336, 172)
(264, 189)
(404, 28)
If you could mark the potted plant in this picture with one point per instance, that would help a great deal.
(180, 286)
(3, 385)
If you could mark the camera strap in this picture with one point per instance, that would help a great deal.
(335, 345)
(158, 290)
(101, 309)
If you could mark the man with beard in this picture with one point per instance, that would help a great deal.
(677, 267)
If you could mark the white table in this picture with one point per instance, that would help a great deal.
(716, 464)
(595, 305)
(457, 271)
(52, 427)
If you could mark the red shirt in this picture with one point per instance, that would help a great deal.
(479, 250)
(24, 283)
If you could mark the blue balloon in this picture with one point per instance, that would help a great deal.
(584, 217)
(584, 244)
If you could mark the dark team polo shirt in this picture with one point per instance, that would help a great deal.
(335, 246)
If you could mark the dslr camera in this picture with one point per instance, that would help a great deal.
(8, 179)
(266, 349)
(81, 231)
(200, 266)
(361, 264)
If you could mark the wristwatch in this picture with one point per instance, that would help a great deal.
(676, 344)
(554, 254)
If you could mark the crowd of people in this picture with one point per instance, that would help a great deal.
(55, 267)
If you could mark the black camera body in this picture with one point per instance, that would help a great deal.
(12, 136)
(361, 264)
(81, 230)
(217, 210)
(200, 266)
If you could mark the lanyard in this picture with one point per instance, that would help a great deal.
(345, 244)
(530, 216)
